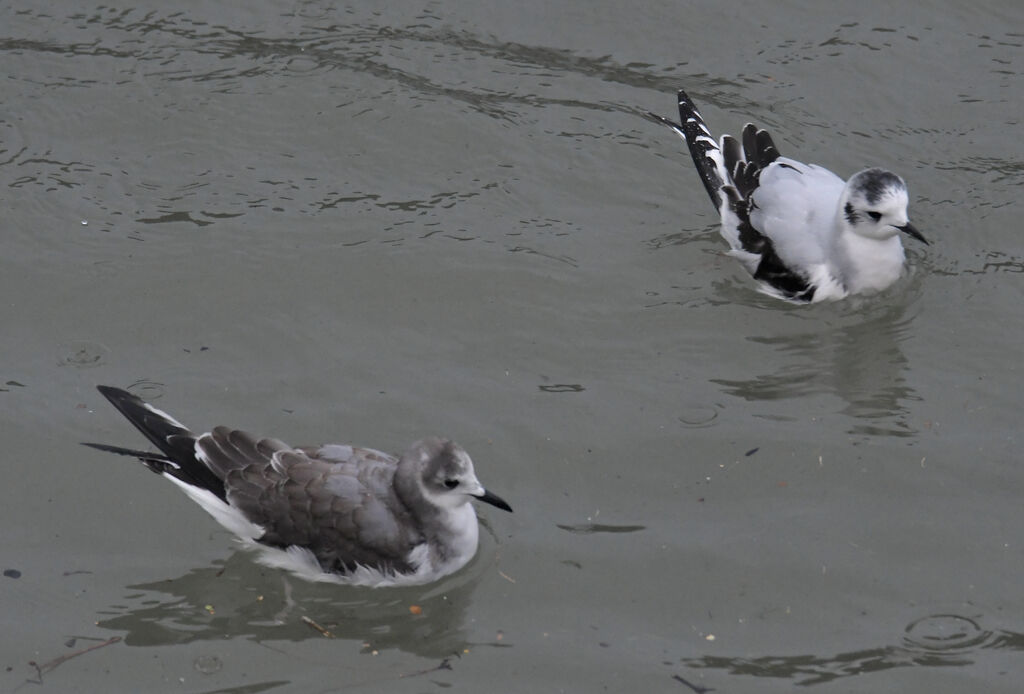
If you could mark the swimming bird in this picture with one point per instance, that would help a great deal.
(333, 513)
(802, 232)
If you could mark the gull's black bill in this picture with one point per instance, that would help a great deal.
(494, 500)
(911, 230)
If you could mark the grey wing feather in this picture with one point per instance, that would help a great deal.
(343, 509)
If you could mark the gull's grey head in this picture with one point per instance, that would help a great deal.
(445, 474)
(874, 205)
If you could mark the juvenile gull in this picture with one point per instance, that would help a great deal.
(800, 230)
(331, 513)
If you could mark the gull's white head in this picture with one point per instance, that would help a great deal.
(874, 205)
(445, 474)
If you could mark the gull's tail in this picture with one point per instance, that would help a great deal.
(177, 456)
(707, 156)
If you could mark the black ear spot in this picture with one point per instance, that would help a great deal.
(851, 215)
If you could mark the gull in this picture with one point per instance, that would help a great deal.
(333, 513)
(802, 232)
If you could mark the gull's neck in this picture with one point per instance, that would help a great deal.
(865, 264)
(451, 534)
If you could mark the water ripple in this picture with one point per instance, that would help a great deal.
(941, 640)
(946, 635)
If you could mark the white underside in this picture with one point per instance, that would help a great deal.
(303, 563)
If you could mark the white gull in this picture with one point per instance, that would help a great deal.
(802, 232)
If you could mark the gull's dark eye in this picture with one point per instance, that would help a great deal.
(875, 215)
(451, 484)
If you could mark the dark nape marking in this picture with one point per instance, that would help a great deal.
(874, 182)
(851, 215)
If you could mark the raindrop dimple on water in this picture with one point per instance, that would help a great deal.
(946, 633)
(208, 664)
(697, 416)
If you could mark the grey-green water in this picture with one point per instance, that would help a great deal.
(370, 223)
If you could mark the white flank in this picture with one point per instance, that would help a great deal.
(225, 514)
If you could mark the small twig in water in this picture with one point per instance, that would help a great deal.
(316, 626)
(695, 687)
(52, 665)
(444, 665)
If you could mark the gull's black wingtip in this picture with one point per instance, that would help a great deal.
(107, 448)
(157, 462)
(115, 395)
(662, 120)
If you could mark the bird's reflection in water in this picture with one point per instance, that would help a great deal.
(238, 598)
(854, 355)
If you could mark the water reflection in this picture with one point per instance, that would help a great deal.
(855, 356)
(942, 640)
(238, 598)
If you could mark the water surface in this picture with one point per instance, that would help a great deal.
(372, 223)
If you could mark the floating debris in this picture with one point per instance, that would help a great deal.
(319, 628)
(563, 388)
(590, 528)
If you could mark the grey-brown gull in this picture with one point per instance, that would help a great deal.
(334, 513)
